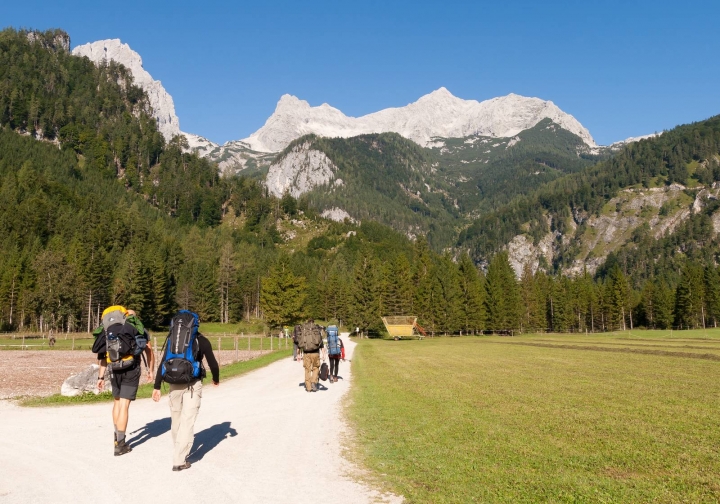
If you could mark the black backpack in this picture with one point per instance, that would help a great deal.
(122, 346)
(324, 371)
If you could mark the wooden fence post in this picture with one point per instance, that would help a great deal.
(219, 344)
(271, 342)
(236, 350)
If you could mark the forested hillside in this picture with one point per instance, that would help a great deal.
(388, 179)
(96, 209)
(486, 172)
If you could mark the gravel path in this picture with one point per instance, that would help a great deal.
(260, 438)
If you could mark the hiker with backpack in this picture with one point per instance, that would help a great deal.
(336, 351)
(120, 342)
(182, 368)
(310, 341)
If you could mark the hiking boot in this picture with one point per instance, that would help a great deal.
(186, 465)
(314, 388)
(121, 448)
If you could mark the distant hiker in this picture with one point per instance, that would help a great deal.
(120, 341)
(310, 342)
(296, 335)
(181, 366)
(336, 351)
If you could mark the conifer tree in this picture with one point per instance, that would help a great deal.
(502, 301)
(282, 295)
(365, 310)
(471, 306)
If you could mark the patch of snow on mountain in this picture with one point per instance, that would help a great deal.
(512, 142)
(438, 114)
(160, 100)
(199, 144)
(300, 171)
(337, 214)
(623, 143)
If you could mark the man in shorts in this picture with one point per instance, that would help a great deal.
(124, 385)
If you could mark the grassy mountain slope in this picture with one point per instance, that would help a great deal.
(486, 171)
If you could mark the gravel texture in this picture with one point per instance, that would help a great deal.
(42, 372)
(259, 438)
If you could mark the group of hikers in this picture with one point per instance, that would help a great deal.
(308, 340)
(122, 343)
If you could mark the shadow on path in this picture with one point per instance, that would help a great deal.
(208, 439)
(320, 386)
(150, 430)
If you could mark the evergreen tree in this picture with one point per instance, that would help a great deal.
(365, 308)
(471, 306)
(283, 295)
(502, 300)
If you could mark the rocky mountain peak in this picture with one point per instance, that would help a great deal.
(160, 100)
(437, 114)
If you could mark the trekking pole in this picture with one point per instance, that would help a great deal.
(155, 348)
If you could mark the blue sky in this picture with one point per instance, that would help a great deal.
(622, 68)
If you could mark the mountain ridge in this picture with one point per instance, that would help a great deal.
(437, 114)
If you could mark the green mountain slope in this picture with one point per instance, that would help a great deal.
(487, 172)
(386, 178)
(634, 201)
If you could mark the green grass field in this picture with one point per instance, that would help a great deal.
(626, 417)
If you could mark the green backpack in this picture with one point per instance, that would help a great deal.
(310, 337)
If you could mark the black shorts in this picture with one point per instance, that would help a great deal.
(125, 383)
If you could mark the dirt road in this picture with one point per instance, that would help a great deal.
(259, 438)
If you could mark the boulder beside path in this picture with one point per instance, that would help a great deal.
(84, 381)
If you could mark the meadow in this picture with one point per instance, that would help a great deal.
(623, 417)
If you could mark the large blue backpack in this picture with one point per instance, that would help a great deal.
(181, 350)
(333, 340)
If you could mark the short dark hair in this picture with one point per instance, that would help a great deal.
(311, 321)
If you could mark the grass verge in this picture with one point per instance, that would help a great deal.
(480, 420)
(145, 391)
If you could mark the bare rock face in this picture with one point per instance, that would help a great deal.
(337, 215)
(522, 251)
(160, 100)
(302, 169)
(438, 114)
(85, 381)
(60, 42)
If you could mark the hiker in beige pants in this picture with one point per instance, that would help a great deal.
(184, 407)
(185, 403)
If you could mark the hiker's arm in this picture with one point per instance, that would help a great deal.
(150, 357)
(158, 375)
(207, 351)
(101, 373)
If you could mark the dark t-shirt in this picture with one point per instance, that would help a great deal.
(204, 351)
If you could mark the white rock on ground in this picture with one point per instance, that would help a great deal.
(287, 448)
(85, 381)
